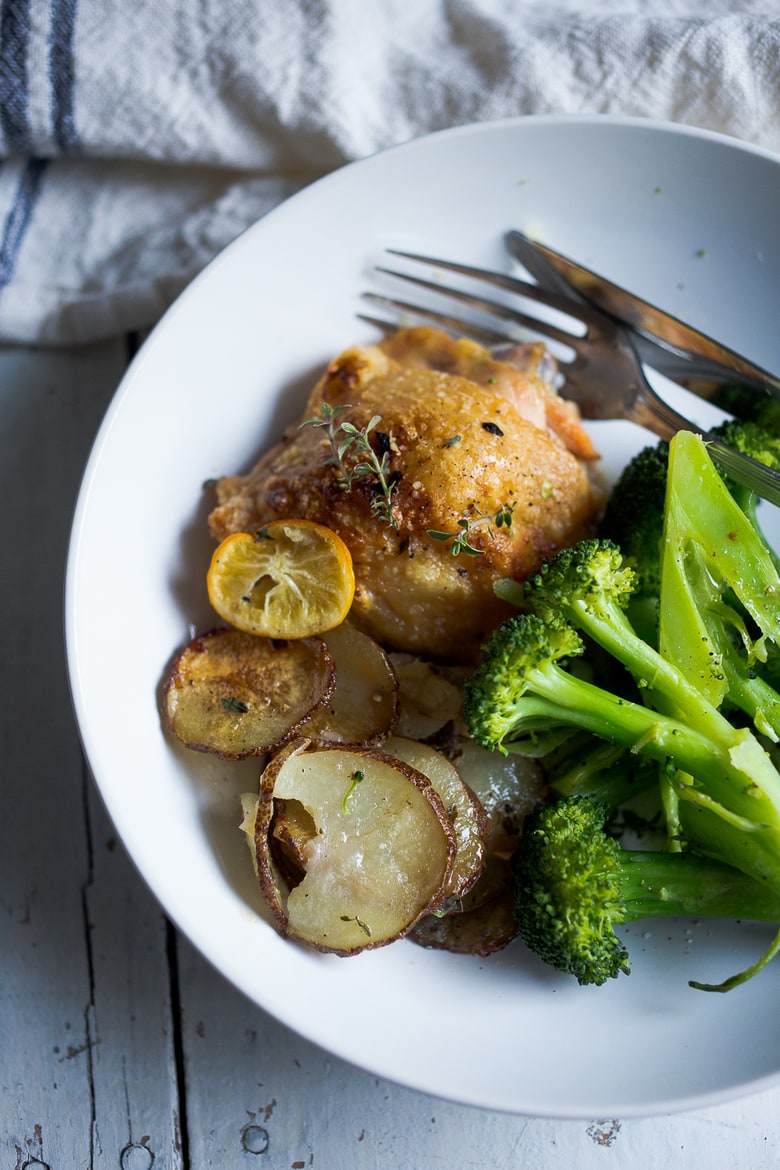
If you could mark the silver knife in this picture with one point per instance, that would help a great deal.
(669, 345)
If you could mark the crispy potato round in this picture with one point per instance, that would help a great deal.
(427, 699)
(381, 855)
(480, 930)
(364, 706)
(469, 820)
(508, 788)
(237, 695)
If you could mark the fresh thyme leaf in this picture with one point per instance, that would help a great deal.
(358, 922)
(357, 776)
(502, 518)
(463, 546)
(234, 706)
(348, 440)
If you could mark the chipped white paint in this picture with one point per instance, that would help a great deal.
(119, 1047)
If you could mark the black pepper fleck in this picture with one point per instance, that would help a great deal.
(493, 428)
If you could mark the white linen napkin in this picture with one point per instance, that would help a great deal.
(136, 140)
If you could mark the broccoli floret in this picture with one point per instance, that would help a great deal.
(758, 443)
(574, 885)
(589, 585)
(747, 403)
(634, 516)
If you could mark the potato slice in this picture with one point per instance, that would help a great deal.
(483, 923)
(464, 810)
(507, 787)
(428, 700)
(239, 695)
(481, 930)
(380, 858)
(364, 705)
(249, 806)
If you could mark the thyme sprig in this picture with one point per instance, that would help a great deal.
(347, 439)
(356, 778)
(501, 518)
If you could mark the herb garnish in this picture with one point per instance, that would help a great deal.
(347, 439)
(358, 922)
(357, 776)
(502, 518)
(234, 706)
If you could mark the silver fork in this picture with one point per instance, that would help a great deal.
(605, 378)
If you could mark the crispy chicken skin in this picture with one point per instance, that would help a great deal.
(466, 435)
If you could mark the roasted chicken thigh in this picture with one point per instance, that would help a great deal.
(471, 442)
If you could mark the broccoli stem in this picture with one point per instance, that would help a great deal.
(709, 546)
(599, 613)
(662, 884)
(574, 885)
(729, 804)
(702, 634)
(584, 764)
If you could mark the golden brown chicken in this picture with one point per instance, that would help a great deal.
(468, 444)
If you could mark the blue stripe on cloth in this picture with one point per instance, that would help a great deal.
(27, 191)
(14, 37)
(62, 72)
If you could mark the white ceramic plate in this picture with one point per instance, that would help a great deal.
(686, 219)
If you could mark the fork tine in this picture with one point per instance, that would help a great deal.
(495, 309)
(561, 300)
(457, 324)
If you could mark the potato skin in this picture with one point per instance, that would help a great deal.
(358, 866)
(457, 448)
(236, 695)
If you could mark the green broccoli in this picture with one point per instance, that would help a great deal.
(722, 580)
(634, 516)
(590, 586)
(720, 592)
(763, 409)
(721, 790)
(574, 885)
(727, 787)
(758, 443)
(581, 763)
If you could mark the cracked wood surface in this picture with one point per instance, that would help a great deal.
(120, 1047)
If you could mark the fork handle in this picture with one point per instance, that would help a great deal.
(649, 410)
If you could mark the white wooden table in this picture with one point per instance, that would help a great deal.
(119, 1046)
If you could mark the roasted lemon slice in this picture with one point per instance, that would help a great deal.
(292, 579)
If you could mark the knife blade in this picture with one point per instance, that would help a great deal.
(691, 358)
